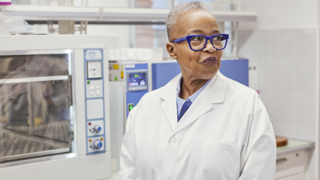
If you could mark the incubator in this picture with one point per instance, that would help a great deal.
(54, 108)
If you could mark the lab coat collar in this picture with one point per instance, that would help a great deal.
(169, 105)
(212, 94)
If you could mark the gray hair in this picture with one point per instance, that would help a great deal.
(180, 9)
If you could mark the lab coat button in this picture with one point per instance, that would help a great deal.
(173, 141)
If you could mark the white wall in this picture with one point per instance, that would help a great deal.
(281, 14)
(287, 75)
(283, 43)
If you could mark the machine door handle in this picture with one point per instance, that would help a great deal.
(281, 160)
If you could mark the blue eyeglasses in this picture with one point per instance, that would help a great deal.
(199, 42)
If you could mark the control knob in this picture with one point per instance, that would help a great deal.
(97, 144)
(96, 129)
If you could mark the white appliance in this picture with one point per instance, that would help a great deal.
(54, 108)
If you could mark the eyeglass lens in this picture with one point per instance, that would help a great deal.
(198, 42)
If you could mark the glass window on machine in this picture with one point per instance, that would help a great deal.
(35, 103)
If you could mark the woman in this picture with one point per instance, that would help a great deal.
(201, 125)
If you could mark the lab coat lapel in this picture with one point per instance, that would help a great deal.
(169, 105)
(213, 93)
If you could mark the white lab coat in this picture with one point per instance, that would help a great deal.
(225, 135)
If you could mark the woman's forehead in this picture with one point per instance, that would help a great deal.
(197, 21)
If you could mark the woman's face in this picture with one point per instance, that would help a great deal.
(195, 64)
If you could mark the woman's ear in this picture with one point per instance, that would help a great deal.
(172, 50)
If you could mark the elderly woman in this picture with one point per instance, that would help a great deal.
(201, 125)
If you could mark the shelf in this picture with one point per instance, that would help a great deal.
(294, 146)
(29, 12)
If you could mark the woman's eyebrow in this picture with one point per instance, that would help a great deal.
(195, 31)
(200, 31)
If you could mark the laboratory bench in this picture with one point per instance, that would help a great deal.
(294, 146)
(292, 160)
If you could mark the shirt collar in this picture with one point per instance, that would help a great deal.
(193, 97)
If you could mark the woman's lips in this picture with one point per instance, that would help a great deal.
(210, 61)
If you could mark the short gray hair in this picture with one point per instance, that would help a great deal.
(180, 9)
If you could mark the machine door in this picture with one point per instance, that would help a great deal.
(35, 104)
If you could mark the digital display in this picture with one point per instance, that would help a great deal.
(137, 79)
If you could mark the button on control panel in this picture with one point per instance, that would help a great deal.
(97, 144)
(97, 129)
(94, 88)
(136, 88)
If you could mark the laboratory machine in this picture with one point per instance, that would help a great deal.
(54, 108)
(130, 80)
(236, 69)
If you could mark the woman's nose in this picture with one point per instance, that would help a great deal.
(209, 47)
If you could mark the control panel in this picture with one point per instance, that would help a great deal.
(136, 83)
(116, 72)
(94, 96)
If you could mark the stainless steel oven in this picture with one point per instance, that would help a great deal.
(49, 114)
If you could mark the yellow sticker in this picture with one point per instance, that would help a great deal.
(121, 75)
(116, 66)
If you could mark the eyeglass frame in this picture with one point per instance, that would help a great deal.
(188, 38)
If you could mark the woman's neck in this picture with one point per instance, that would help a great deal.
(189, 86)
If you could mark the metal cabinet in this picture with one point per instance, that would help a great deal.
(300, 176)
(292, 166)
